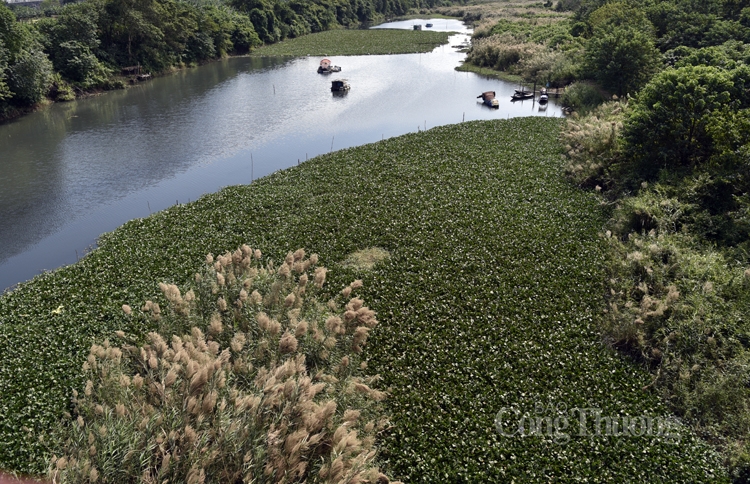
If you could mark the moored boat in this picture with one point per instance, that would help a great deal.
(340, 85)
(522, 95)
(326, 67)
(489, 99)
(543, 97)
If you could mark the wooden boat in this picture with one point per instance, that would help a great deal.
(489, 99)
(522, 95)
(417, 26)
(428, 25)
(326, 67)
(340, 85)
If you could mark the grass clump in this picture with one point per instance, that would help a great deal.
(593, 145)
(251, 378)
(366, 259)
(357, 42)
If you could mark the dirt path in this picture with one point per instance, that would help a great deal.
(8, 479)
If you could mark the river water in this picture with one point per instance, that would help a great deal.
(73, 171)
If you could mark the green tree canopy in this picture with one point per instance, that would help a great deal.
(622, 59)
(667, 126)
(4, 89)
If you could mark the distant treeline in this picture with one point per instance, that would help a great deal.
(83, 46)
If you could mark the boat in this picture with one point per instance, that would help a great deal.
(428, 25)
(521, 95)
(489, 99)
(326, 67)
(417, 27)
(340, 85)
(543, 97)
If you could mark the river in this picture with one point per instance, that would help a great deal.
(73, 171)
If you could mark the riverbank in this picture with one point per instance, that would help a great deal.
(487, 303)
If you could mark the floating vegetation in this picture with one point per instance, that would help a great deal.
(489, 302)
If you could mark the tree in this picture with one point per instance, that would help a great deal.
(30, 76)
(71, 41)
(667, 124)
(4, 89)
(621, 59)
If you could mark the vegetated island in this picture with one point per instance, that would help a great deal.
(488, 302)
(357, 42)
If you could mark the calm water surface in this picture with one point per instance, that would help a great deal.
(76, 170)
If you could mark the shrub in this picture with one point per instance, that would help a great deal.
(264, 385)
(622, 59)
(667, 126)
(582, 96)
(30, 76)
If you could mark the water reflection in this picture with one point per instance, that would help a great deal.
(76, 170)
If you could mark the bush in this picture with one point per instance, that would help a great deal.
(582, 96)
(667, 125)
(622, 59)
(265, 384)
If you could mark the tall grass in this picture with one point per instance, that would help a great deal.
(501, 52)
(593, 146)
(251, 378)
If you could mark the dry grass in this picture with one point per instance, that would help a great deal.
(266, 385)
(592, 144)
(485, 15)
(366, 259)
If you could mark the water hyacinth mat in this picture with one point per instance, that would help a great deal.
(488, 307)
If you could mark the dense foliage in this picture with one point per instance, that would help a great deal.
(488, 301)
(252, 379)
(674, 163)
